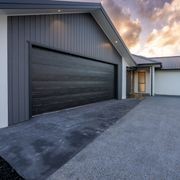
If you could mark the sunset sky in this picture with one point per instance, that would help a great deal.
(148, 27)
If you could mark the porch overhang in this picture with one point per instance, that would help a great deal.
(147, 68)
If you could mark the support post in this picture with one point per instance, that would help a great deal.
(124, 78)
(152, 74)
(3, 72)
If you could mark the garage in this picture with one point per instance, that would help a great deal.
(61, 80)
(58, 59)
(167, 77)
(167, 82)
(162, 75)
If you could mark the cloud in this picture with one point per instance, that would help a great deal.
(128, 28)
(146, 7)
(163, 42)
(169, 13)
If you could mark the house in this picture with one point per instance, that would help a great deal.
(57, 55)
(154, 76)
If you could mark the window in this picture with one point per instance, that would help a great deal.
(141, 82)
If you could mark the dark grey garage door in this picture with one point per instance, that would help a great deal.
(61, 81)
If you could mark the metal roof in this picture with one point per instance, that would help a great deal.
(141, 60)
(171, 62)
(30, 7)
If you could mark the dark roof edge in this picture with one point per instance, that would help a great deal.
(153, 61)
(170, 69)
(158, 63)
(49, 4)
(163, 57)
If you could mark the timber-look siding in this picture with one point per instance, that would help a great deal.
(77, 33)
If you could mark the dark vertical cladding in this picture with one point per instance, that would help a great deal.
(76, 33)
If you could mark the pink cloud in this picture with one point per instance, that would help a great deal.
(128, 28)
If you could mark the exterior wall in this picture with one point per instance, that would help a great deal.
(148, 81)
(76, 33)
(3, 72)
(153, 80)
(167, 82)
(124, 78)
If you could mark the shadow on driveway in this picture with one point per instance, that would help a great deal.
(39, 147)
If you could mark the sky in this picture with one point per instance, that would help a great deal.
(148, 27)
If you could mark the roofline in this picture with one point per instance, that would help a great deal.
(172, 69)
(89, 6)
(117, 33)
(153, 61)
(163, 57)
(158, 63)
(52, 4)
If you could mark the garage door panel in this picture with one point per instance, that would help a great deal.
(53, 74)
(46, 62)
(56, 103)
(70, 77)
(65, 70)
(72, 97)
(40, 85)
(167, 82)
(66, 91)
(57, 84)
(66, 61)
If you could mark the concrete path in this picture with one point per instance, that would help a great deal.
(37, 148)
(144, 145)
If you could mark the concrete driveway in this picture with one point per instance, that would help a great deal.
(144, 145)
(37, 148)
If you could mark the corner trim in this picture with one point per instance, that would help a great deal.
(4, 72)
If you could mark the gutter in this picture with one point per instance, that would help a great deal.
(148, 64)
(53, 4)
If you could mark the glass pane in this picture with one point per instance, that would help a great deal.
(141, 87)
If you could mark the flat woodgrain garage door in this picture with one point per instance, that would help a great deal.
(61, 81)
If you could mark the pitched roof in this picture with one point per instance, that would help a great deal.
(171, 62)
(23, 7)
(141, 60)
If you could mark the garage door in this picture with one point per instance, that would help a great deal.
(167, 82)
(61, 81)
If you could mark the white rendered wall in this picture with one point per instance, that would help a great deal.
(153, 80)
(124, 78)
(148, 81)
(3, 73)
(167, 82)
